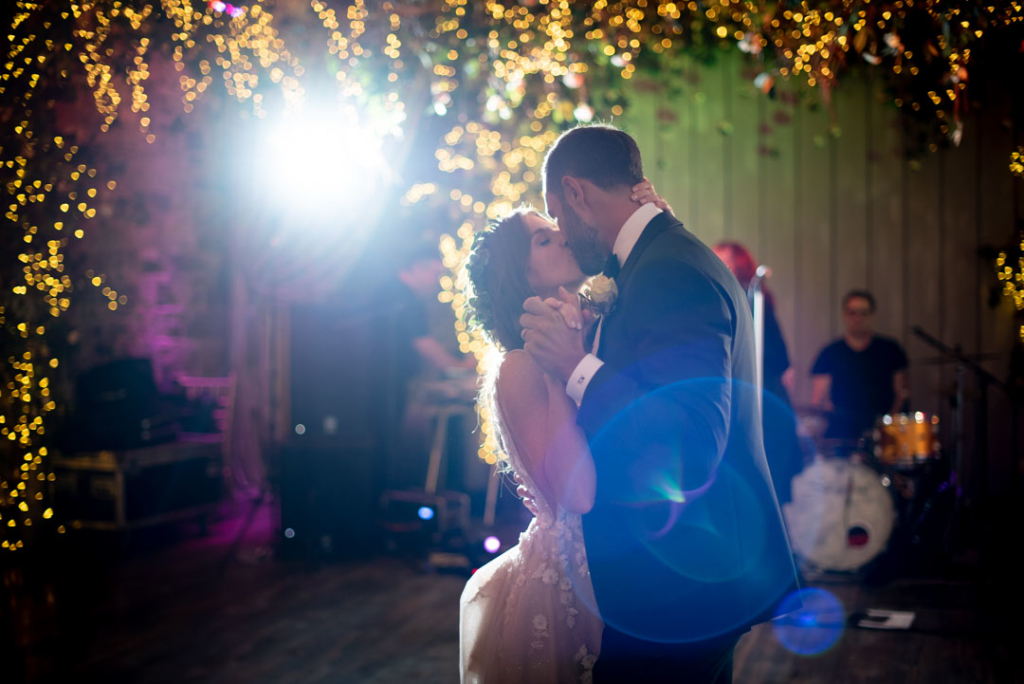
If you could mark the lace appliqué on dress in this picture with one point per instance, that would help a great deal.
(549, 630)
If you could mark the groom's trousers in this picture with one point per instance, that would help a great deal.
(627, 660)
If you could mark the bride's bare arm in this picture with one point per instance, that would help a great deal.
(542, 427)
(570, 470)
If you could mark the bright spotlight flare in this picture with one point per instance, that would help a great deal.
(321, 165)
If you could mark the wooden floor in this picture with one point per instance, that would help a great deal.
(959, 636)
(166, 616)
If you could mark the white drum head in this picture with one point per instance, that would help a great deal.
(841, 516)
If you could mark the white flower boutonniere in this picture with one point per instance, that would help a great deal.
(600, 295)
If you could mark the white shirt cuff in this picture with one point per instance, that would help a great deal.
(581, 377)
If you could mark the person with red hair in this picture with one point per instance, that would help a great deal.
(782, 446)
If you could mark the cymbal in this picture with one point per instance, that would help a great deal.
(941, 360)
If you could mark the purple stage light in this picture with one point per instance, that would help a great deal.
(492, 544)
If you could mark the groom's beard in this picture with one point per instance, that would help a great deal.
(584, 242)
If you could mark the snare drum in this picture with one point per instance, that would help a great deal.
(907, 440)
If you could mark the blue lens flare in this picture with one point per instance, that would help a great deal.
(696, 517)
(425, 513)
(812, 622)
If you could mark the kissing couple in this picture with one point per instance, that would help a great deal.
(635, 432)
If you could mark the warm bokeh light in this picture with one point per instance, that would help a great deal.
(1010, 272)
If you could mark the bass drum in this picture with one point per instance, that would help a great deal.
(841, 516)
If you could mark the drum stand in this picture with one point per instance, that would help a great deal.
(953, 529)
(964, 502)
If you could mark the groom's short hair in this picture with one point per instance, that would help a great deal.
(599, 153)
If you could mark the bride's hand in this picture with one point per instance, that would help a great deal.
(568, 305)
(645, 193)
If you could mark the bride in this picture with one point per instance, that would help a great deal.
(529, 615)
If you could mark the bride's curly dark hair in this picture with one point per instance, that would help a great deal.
(497, 279)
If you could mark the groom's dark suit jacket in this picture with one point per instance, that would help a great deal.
(685, 541)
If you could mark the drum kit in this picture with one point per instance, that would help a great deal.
(894, 493)
(856, 496)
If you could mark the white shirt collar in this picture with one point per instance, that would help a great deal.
(631, 230)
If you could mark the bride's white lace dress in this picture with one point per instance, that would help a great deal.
(528, 615)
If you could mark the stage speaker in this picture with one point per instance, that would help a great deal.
(337, 374)
(328, 499)
(117, 406)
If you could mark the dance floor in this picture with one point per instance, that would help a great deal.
(168, 615)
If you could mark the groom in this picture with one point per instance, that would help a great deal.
(685, 541)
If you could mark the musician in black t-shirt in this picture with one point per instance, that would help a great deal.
(861, 376)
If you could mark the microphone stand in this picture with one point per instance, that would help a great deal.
(962, 497)
(755, 295)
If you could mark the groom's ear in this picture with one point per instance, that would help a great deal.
(575, 197)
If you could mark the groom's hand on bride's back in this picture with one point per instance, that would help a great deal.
(554, 345)
(525, 495)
